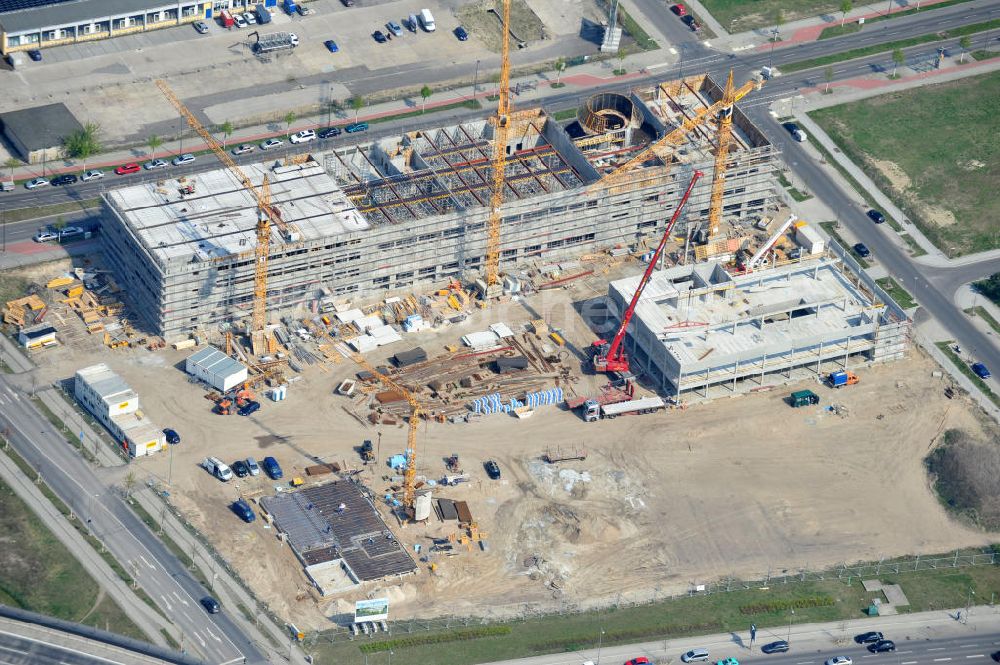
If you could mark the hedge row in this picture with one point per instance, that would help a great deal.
(437, 638)
(626, 635)
(785, 605)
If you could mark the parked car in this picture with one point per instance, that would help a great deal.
(45, 235)
(271, 143)
(347, 3)
(781, 646)
(462, 34)
(355, 127)
(35, 54)
(154, 164)
(492, 469)
(695, 655)
(239, 21)
(92, 175)
(180, 160)
(795, 131)
(839, 660)
(331, 46)
(305, 11)
(293, 38)
(125, 169)
(240, 468)
(876, 216)
(201, 27)
(882, 646)
(253, 466)
(303, 136)
(869, 638)
(395, 28)
(173, 437)
(211, 605)
(329, 132)
(679, 9)
(242, 149)
(272, 468)
(727, 661)
(249, 408)
(641, 660)
(243, 510)
(64, 179)
(410, 23)
(981, 370)
(379, 37)
(862, 250)
(250, 18)
(69, 232)
(35, 183)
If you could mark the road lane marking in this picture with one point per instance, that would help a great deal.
(178, 597)
(146, 562)
(978, 655)
(938, 660)
(165, 602)
(966, 646)
(937, 649)
(908, 662)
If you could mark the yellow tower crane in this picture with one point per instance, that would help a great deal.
(502, 123)
(722, 137)
(266, 216)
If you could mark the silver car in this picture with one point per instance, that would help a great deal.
(253, 466)
(186, 158)
(242, 149)
(201, 27)
(45, 235)
(155, 164)
(271, 143)
(92, 175)
(36, 183)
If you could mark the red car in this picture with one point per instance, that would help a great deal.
(641, 660)
(679, 10)
(125, 169)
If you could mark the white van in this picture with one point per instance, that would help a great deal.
(217, 468)
(427, 20)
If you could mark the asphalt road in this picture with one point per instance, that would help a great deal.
(17, 650)
(214, 637)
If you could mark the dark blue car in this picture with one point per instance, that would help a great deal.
(244, 511)
(272, 468)
(331, 46)
(981, 370)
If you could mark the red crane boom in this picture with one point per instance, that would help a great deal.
(612, 357)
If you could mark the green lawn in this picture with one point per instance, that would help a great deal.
(848, 28)
(943, 587)
(39, 574)
(831, 229)
(950, 173)
(743, 15)
(897, 292)
(967, 371)
(915, 248)
(984, 314)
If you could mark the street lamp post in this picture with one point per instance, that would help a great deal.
(475, 81)
(774, 40)
(968, 604)
(790, 617)
(600, 641)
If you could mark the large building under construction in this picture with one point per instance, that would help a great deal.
(364, 220)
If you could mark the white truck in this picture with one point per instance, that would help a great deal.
(217, 468)
(276, 41)
(593, 411)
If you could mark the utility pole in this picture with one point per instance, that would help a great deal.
(600, 642)
(475, 81)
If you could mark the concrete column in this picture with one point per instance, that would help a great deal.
(736, 371)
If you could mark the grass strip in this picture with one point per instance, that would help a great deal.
(70, 437)
(854, 26)
(21, 214)
(565, 114)
(466, 103)
(795, 193)
(174, 644)
(889, 46)
(915, 248)
(967, 371)
(981, 311)
(439, 638)
(831, 229)
(897, 292)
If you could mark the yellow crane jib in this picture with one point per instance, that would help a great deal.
(499, 161)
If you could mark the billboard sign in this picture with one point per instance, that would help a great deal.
(376, 609)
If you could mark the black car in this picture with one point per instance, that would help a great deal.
(172, 436)
(35, 54)
(492, 470)
(882, 646)
(241, 469)
(379, 37)
(862, 251)
(211, 604)
(876, 216)
(461, 33)
(64, 179)
(781, 646)
(329, 132)
(248, 408)
(869, 638)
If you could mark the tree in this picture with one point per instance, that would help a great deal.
(966, 44)
(357, 103)
(828, 75)
(845, 6)
(153, 142)
(560, 67)
(779, 20)
(83, 143)
(129, 482)
(898, 59)
(621, 62)
(12, 163)
(227, 130)
(425, 92)
(289, 119)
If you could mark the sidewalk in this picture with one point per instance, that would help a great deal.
(805, 637)
(92, 562)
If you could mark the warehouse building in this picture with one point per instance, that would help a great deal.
(700, 332)
(216, 369)
(106, 395)
(37, 24)
(370, 220)
(37, 134)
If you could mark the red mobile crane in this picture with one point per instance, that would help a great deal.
(612, 357)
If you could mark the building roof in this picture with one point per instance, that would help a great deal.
(38, 331)
(23, 15)
(217, 362)
(39, 127)
(107, 384)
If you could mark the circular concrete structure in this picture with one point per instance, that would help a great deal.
(609, 112)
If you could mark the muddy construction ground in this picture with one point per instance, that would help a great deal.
(738, 486)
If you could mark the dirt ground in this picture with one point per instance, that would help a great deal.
(737, 486)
